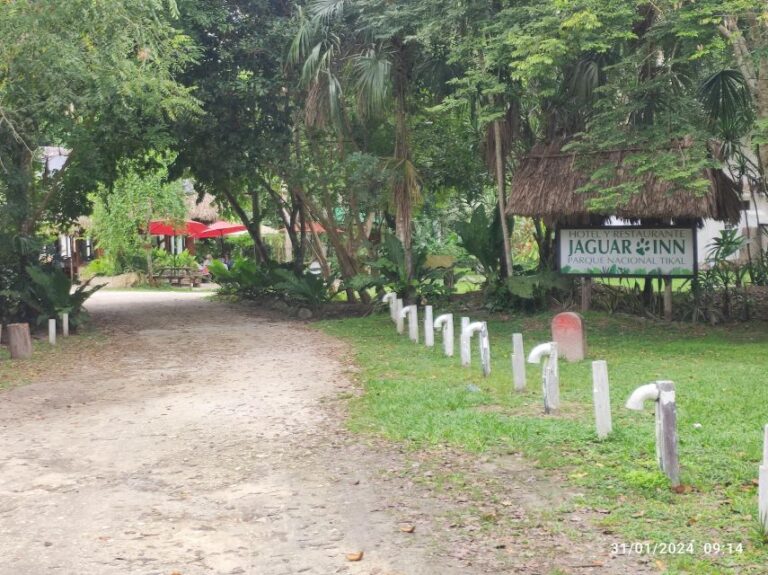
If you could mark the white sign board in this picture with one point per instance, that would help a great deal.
(627, 251)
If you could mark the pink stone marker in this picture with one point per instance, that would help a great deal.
(568, 332)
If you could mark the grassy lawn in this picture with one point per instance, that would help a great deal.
(415, 395)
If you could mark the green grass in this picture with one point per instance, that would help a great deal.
(417, 396)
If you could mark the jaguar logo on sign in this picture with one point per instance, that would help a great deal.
(627, 251)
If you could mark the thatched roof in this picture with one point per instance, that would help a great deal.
(203, 211)
(546, 181)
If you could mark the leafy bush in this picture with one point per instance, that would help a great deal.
(164, 259)
(246, 278)
(427, 283)
(480, 236)
(50, 295)
(314, 290)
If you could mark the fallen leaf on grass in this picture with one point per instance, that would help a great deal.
(356, 556)
(681, 489)
(407, 528)
(638, 514)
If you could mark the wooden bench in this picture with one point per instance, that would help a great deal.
(180, 276)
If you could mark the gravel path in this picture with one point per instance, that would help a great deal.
(205, 440)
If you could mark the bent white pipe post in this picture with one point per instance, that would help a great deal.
(763, 484)
(445, 322)
(464, 343)
(52, 331)
(399, 316)
(602, 398)
(429, 331)
(550, 374)
(391, 299)
(411, 312)
(65, 324)
(481, 328)
(518, 361)
(663, 393)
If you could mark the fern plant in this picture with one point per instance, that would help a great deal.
(50, 295)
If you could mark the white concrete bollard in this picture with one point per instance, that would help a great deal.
(663, 393)
(429, 330)
(445, 322)
(550, 374)
(763, 485)
(65, 324)
(391, 299)
(602, 398)
(399, 316)
(412, 313)
(52, 331)
(518, 361)
(464, 350)
(480, 328)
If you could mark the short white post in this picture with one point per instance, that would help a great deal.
(464, 350)
(663, 393)
(65, 324)
(445, 322)
(429, 329)
(413, 323)
(602, 397)
(485, 350)
(52, 331)
(763, 484)
(399, 316)
(391, 299)
(550, 373)
(518, 361)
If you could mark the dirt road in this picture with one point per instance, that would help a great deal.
(205, 440)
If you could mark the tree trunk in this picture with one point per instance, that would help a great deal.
(19, 340)
(405, 180)
(501, 195)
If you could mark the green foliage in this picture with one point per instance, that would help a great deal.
(426, 283)
(308, 288)
(479, 236)
(122, 213)
(50, 295)
(246, 279)
(164, 259)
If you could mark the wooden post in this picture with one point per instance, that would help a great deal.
(586, 293)
(19, 340)
(763, 485)
(52, 331)
(429, 327)
(65, 324)
(399, 316)
(518, 361)
(666, 440)
(668, 298)
(602, 398)
(464, 343)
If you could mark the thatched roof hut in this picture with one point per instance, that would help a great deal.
(204, 210)
(546, 181)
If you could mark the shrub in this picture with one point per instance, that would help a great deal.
(50, 295)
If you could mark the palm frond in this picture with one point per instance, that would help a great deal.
(326, 10)
(302, 41)
(372, 72)
(726, 99)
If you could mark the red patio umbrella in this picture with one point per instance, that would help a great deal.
(219, 229)
(171, 228)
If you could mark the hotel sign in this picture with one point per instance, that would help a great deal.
(627, 251)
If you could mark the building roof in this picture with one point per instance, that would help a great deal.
(546, 182)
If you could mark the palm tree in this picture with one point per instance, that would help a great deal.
(365, 47)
